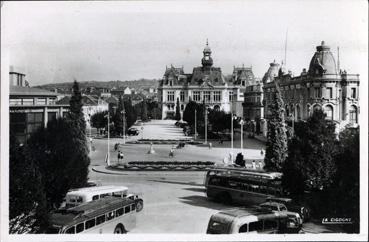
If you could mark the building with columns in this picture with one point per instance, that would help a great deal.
(30, 108)
(323, 86)
(206, 84)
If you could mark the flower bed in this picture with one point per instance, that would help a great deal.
(169, 165)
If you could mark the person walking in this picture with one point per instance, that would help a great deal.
(171, 152)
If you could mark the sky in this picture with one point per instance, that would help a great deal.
(53, 42)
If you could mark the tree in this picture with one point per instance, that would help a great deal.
(144, 111)
(98, 120)
(131, 115)
(189, 112)
(276, 146)
(26, 196)
(178, 113)
(310, 164)
(118, 117)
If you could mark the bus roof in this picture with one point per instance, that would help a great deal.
(88, 210)
(247, 172)
(99, 189)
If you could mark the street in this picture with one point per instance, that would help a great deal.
(174, 201)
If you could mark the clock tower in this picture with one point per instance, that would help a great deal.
(207, 61)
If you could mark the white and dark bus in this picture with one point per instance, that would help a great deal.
(241, 185)
(105, 215)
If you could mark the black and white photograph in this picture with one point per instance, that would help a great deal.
(184, 120)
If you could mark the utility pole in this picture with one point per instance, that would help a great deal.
(242, 122)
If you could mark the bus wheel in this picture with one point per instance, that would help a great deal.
(119, 229)
(139, 206)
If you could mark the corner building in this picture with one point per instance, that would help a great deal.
(206, 84)
(324, 86)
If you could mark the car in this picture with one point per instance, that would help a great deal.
(133, 131)
(294, 219)
(291, 205)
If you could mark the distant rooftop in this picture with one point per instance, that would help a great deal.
(30, 91)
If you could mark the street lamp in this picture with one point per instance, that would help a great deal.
(123, 120)
(108, 155)
(242, 122)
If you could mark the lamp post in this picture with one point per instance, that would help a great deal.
(123, 120)
(90, 138)
(108, 155)
(242, 122)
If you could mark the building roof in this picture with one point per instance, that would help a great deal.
(243, 74)
(211, 75)
(111, 99)
(87, 100)
(30, 91)
(271, 73)
(323, 61)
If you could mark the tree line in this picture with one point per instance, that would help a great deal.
(54, 160)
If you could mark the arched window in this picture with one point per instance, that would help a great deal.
(353, 114)
(317, 107)
(329, 111)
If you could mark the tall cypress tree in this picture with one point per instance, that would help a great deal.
(118, 117)
(144, 110)
(131, 115)
(276, 147)
(178, 113)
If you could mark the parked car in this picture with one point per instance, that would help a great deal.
(294, 219)
(133, 131)
(303, 211)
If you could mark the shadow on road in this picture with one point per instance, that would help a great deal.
(195, 189)
(180, 183)
(202, 201)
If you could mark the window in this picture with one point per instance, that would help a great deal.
(207, 96)
(182, 107)
(16, 101)
(230, 96)
(196, 96)
(329, 111)
(256, 226)
(127, 209)
(171, 96)
(71, 230)
(317, 92)
(51, 116)
(95, 197)
(119, 212)
(90, 223)
(105, 195)
(353, 92)
(41, 101)
(51, 101)
(109, 216)
(243, 83)
(217, 96)
(353, 115)
(34, 121)
(80, 227)
(100, 219)
(181, 96)
(329, 92)
(27, 101)
(243, 229)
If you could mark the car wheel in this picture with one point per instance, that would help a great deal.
(139, 206)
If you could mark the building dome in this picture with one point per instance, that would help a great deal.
(323, 61)
(207, 48)
(271, 73)
(207, 61)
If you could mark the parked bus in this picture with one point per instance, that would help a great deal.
(241, 185)
(106, 215)
(252, 220)
(87, 194)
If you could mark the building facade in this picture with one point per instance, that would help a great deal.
(30, 108)
(206, 84)
(324, 86)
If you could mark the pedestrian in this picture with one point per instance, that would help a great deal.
(210, 145)
(171, 152)
(261, 151)
(151, 151)
(253, 165)
(260, 165)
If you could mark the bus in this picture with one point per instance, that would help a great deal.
(252, 220)
(239, 185)
(106, 215)
(82, 195)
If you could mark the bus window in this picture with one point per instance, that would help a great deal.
(105, 195)
(243, 229)
(100, 219)
(133, 207)
(90, 223)
(127, 209)
(119, 212)
(71, 230)
(110, 216)
(95, 197)
(80, 227)
(79, 199)
(270, 224)
(256, 226)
